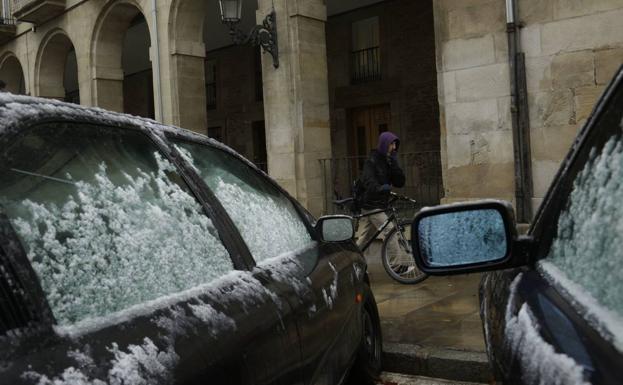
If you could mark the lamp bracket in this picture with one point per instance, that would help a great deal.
(264, 35)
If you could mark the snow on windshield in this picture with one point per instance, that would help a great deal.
(267, 221)
(111, 245)
(586, 253)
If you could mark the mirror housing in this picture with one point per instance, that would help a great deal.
(335, 228)
(468, 237)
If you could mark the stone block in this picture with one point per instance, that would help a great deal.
(539, 74)
(492, 148)
(466, 53)
(587, 32)
(476, 20)
(504, 114)
(472, 117)
(543, 172)
(480, 181)
(281, 166)
(551, 143)
(490, 81)
(447, 85)
(535, 11)
(500, 40)
(564, 9)
(551, 108)
(458, 150)
(571, 70)
(530, 38)
(585, 99)
(607, 62)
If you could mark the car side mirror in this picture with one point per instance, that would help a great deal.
(467, 237)
(335, 228)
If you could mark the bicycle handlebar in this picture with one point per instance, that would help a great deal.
(396, 197)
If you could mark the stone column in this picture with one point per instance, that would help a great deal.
(296, 99)
(189, 92)
(108, 88)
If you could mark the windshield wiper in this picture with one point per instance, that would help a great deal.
(43, 176)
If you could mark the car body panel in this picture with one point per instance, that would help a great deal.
(256, 325)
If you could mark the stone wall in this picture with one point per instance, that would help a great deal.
(474, 99)
(572, 49)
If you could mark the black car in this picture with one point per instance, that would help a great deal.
(555, 315)
(136, 253)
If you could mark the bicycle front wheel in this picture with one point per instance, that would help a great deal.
(398, 258)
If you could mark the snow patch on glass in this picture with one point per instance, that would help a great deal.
(111, 246)
(462, 237)
(540, 363)
(587, 248)
(266, 220)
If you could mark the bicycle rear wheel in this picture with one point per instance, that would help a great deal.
(397, 257)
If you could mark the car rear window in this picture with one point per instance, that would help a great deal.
(105, 220)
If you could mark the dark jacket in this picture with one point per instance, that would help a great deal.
(380, 169)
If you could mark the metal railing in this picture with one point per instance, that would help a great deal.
(7, 21)
(422, 172)
(366, 65)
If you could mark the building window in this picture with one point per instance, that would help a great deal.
(365, 55)
(211, 84)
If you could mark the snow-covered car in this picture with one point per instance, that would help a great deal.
(555, 315)
(136, 253)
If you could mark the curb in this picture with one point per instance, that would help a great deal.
(456, 365)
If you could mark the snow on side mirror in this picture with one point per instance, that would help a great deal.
(335, 228)
(463, 238)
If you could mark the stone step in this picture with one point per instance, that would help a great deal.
(388, 378)
(449, 364)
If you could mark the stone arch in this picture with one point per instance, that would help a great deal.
(186, 25)
(51, 63)
(107, 43)
(12, 74)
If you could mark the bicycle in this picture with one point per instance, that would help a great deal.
(399, 265)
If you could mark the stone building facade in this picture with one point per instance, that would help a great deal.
(440, 79)
(572, 49)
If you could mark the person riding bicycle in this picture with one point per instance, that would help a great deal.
(381, 172)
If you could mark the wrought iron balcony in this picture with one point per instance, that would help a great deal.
(7, 29)
(366, 65)
(37, 11)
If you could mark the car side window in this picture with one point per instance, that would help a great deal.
(267, 219)
(105, 220)
(585, 253)
(14, 314)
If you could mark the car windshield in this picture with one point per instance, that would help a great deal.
(101, 214)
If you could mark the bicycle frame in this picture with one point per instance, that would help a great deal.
(390, 218)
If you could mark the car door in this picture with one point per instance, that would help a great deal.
(562, 321)
(318, 281)
(130, 280)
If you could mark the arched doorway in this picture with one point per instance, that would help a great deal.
(123, 78)
(57, 70)
(12, 75)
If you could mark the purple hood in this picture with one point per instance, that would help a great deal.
(385, 139)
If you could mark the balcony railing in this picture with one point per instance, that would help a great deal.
(7, 29)
(37, 11)
(422, 172)
(366, 65)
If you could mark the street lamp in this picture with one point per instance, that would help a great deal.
(264, 35)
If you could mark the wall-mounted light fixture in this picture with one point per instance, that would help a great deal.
(264, 35)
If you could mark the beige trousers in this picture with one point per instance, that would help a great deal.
(371, 224)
